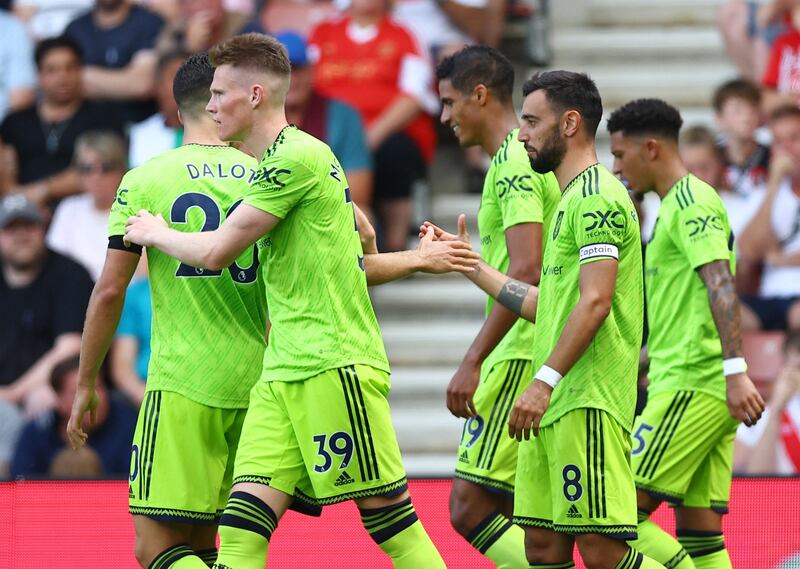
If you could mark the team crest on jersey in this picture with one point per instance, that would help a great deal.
(557, 225)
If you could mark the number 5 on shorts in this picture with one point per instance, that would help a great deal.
(643, 429)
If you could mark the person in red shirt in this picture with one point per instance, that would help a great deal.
(365, 59)
(781, 79)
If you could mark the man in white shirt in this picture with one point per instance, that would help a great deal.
(80, 224)
(773, 235)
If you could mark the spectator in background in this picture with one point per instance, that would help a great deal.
(781, 79)
(335, 122)
(79, 228)
(117, 39)
(130, 352)
(162, 131)
(772, 446)
(372, 63)
(737, 106)
(773, 235)
(749, 28)
(42, 137)
(43, 299)
(202, 24)
(17, 74)
(43, 449)
(48, 18)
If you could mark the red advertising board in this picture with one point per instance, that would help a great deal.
(85, 525)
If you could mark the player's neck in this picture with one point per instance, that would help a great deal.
(575, 161)
(205, 134)
(668, 175)
(265, 132)
(497, 131)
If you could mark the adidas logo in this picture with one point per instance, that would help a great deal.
(464, 457)
(573, 512)
(343, 479)
(130, 492)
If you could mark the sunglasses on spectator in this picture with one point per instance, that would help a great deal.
(102, 167)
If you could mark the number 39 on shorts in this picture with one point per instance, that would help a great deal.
(340, 444)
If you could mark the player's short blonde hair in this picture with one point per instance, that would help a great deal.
(256, 52)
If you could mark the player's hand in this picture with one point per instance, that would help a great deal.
(744, 401)
(528, 410)
(86, 401)
(440, 234)
(445, 256)
(143, 228)
(461, 389)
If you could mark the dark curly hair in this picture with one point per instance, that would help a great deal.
(646, 116)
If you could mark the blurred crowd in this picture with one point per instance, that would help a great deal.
(86, 93)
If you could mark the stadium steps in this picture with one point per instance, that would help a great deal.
(660, 12)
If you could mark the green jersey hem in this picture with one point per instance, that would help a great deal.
(215, 402)
(656, 389)
(279, 374)
(626, 423)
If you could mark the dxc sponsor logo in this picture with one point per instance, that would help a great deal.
(599, 220)
(121, 199)
(513, 183)
(701, 224)
(270, 175)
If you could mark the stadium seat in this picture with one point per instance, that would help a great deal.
(296, 15)
(764, 354)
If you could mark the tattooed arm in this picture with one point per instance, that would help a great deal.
(744, 401)
(519, 297)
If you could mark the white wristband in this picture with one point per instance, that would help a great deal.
(732, 366)
(548, 375)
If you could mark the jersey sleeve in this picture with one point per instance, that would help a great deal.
(519, 194)
(698, 228)
(279, 185)
(130, 199)
(599, 224)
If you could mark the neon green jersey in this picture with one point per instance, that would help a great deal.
(512, 194)
(595, 220)
(208, 326)
(321, 314)
(692, 230)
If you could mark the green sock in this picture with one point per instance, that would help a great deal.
(707, 549)
(208, 555)
(567, 565)
(399, 533)
(660, 545)
(178, 557)
(501, 541)
(638, 560)
(245, 529)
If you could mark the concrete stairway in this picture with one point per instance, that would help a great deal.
(633, 48)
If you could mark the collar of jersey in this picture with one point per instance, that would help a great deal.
(278, 140)
(576, 178)
(676, 184)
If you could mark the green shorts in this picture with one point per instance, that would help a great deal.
(576, 478)
(182, 459)
(683, 449)
(323, 440)
(487, 456)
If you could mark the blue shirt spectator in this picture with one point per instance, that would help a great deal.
(137, 316)
(42, 448)
(17, 73)
(118, 41)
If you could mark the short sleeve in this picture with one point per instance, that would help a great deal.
(519, 194)
(770, 77)
(350, 143)
(129, 200)
(20, 70)
(699, 230)
(279, 185)
(599, 224)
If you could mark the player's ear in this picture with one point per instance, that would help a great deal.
(257, 95)
(570, 123)
(481, 94)
(652, 148)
